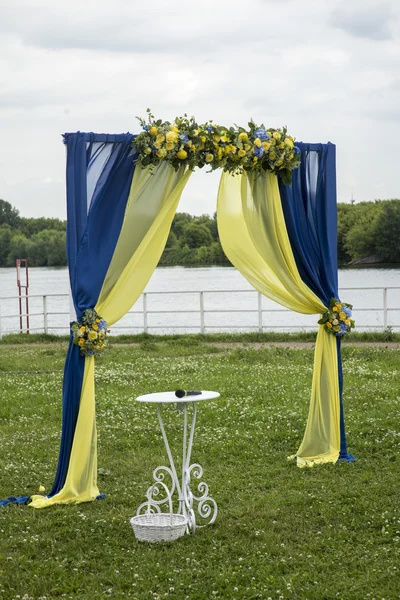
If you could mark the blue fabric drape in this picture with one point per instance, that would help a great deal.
(309, 207)
(91, 239)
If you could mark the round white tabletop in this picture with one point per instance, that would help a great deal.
(169, 397)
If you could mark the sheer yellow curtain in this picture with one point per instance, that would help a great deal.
(253, 235)
(151, 206)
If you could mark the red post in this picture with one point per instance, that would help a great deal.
(18, 263)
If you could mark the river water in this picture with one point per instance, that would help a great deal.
(221, 285)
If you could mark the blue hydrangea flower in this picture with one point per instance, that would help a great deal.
(146, 127)
(261, 134)
(347, 311)
(209, 128)
(90, 352)
(102, 324)
(183, 137)
(296, 150)
(259, 151)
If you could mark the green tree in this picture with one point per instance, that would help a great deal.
(360, 237)
(210, 223)
(48, 249)
(19, 248)
(218, 256)
(194, 236)
(203, 255)
(387, 231)
(31, 226)
(179, 223)
(6, 234)
(172, 240)
(9, 215)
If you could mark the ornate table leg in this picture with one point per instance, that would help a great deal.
(206, 506)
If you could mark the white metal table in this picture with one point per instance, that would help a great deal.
(206, 508)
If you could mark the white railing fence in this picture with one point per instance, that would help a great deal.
(212, 310)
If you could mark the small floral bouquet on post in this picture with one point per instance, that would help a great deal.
(90, 334)
(337, 319)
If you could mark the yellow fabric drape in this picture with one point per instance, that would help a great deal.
(253, 234)
(153, 199)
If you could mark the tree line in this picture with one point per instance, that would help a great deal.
(367, 231)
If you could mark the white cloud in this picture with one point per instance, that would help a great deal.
(94, 66)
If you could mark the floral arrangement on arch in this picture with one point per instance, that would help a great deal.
(337, 319)
(233, 149)
(90, 334)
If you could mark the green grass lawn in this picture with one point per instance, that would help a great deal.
(281, 533)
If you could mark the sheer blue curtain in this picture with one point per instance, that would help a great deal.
(310, 210)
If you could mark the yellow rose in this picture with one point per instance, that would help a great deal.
(257, 142)
(196, 132)
(266, 145)
(335, 309)
(147, 151)
(157, 145)
(182, 154)
(92, 336)
(173, 128)
(209, 158)
(335, 322)
(276, 135)
(161, 153)
(243, 136)
(281, 145)
(160, 138)
(342, 315)
(95, 326)
(153, 131)
(171, 137)
(279, 163)
(289, 142)
(329, 325)
(217, 138)
(81, 342)
(220, 152)
(241, 153)
(291, 156)
(272, 155)
(336, 328)
(348, 322)
(247, 147)
(272, 142)
(82, 329)
(203, 138)
(339, 306)
(170, 146)
(225, 139)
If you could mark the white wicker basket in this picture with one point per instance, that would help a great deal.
(158, 526)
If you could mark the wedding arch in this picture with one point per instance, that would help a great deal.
(277, 223)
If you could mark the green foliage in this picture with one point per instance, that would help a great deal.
(369, 229)
(196, 235)
(9, 215)
(387, 231)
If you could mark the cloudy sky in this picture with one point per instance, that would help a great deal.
(328, 69)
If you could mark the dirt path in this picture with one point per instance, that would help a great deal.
(231, 345)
